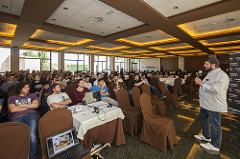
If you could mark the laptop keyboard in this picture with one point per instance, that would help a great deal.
(73, 153)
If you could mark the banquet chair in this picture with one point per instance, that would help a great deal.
(12, 90)
(69, 90)
(51, 123)
(171, 99)
(135, 96)
(132, 122)
(157, 131)
(14, 140)
(177, 88)
(158, 105)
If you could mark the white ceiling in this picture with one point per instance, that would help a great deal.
(174, 45)
(46, 35)
(149, 36)
(92, 16)
(33, 43)
(11, 6)
(107, 45)
(173, 7)
(224, 39)
(220, 22)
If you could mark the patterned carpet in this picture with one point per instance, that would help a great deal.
(187, 124)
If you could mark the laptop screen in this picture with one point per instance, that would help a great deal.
(61, 142)
(92, 97)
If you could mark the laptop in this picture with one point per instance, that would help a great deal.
(92, 97)
(65, 145)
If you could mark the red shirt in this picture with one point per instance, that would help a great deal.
(78, 96)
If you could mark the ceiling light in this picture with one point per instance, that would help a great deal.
(176, 7)
(53, 19)
(110, 12)
(118, 26)
(65, 8)
(81, 26)
(148, 37)
(229, 19)
(5, 6)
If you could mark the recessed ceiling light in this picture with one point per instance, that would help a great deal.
(176, 7)
(65, 8)
(102, 32)
(147, 36)
(118, 27)
(53, 19)
(4, 6)
(81, 26)
(110, 12)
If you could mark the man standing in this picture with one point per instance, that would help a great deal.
(213, 101)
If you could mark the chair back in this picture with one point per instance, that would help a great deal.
(177, 86)
(135, 96)
(124, 85)
(162, 88)
(12, 90)
(155, 83)
(51, 123)
(122, 98)
(146, 89)
(14, 140)
(69, 90)
(146, 105)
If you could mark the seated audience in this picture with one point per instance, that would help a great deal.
(58, 99)
(79, 92)
(152, 88)
(53, 81)
(137, 82)
(92, 78)
(23, 108)
(115, 85)
(87, 84)
(119, 78)
(99, 76)
(66, 80)
(6, 85)
(63, 85)
(104, 93)
(72, 81)
(36, 85)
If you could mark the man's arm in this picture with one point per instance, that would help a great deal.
(31, 106)
(13, 108)
(139, 83)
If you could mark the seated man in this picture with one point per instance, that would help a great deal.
(79, 92)
(115, 85)
(137, 82)
(153, 89)
(58, 99)
(87, 84)
(104, 93)
(23, 108)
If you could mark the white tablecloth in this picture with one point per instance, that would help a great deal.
(170, 81)
(85, 120)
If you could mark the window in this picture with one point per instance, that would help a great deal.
(76, 62)
(120, 63)
(102, 63)
(37, 60)
(5, 60)
(54, 61)
(134, 64)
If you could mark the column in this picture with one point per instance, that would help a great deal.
(91, 63)
(61, 60)
(181, 61)
(14, 59)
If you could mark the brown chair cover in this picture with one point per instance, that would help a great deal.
(69, 90)
(14, 140)
(177, 88)
(158, 105)
(132, 122)
(135, 96)
(12, 90)
(157, 131)
(51, 123)
(171, 99)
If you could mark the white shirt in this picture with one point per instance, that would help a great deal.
(213, 92)
(65, 81)
(56, 98)
(120, 80)
(88, 85)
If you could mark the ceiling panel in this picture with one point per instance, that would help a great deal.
(92, 16)
(7, 30)
(216, 23)
(46, 35)
(223, 39)
(11, 6)
(173, 7)
(149, 36)
(44, 46)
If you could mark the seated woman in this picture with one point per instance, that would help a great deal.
(79, 92)
(23, 108)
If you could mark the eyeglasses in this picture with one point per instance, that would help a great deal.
(56, 80)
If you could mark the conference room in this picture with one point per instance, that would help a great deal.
(116, 79)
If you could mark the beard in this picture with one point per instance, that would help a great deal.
(208, 69)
